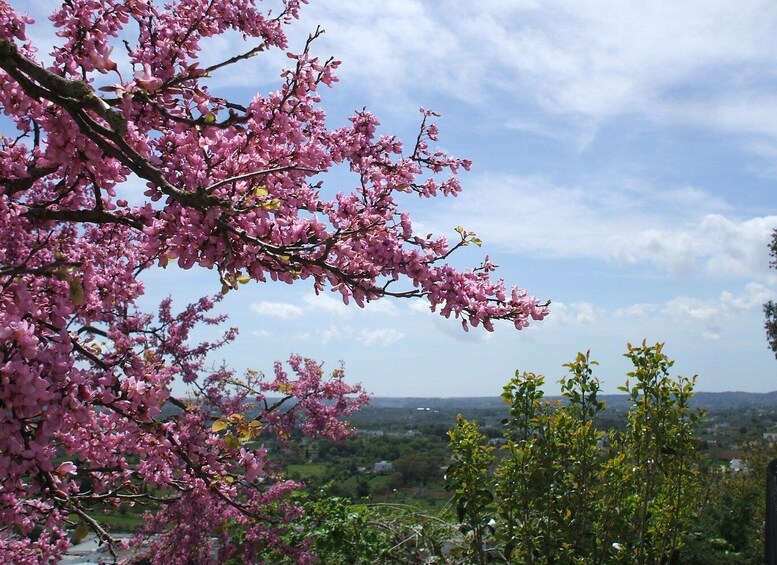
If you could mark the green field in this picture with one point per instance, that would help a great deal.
(307, 470)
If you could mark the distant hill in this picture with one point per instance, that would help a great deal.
(735, 400)
(714, 401)
(710, 401)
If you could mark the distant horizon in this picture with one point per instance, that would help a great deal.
(602, 394)
(498, 397)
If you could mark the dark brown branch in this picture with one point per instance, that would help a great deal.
(12, 186)
(81, 216)
(247, 176)
(89, 355)
(176, 402)
(76, 97)
(236, 58)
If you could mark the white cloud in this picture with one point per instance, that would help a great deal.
(678, 319)
(329, 305)
(366, 337)
(692, 309)
(755, 296)
(575, 314)
(333, 333)
(722, 246)
(707, 316)
(277, 309)
(382, 337)
(394, 47)
(681, 230)
(261, 333)
(420, 306)
(707, 311)
(635, 311)
(333, 305)
(384, 307)
(702, 62)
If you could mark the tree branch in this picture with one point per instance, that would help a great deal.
(81, 216)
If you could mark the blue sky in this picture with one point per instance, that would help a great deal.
(625, 160)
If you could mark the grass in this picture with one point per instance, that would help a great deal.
(119, 523)
(307, 470)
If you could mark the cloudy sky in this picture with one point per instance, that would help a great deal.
(625, 161)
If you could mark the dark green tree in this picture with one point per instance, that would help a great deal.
(730, 525)
(770, 308)
(417, 469)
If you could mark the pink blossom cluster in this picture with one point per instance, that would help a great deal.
(85, 376)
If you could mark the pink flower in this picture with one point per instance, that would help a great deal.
(146, 79)
(84, 372)
(66, 468)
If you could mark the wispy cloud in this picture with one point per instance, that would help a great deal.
(721, 246)
(376, 337)
(328, 304)
(680, 230)
(575, 314)
(754, 296)
(333, 333)
(636, 311)
(277, 309)
(557, 68)
(700, 62)
(570, 65)
(709, 316)
(379, 337)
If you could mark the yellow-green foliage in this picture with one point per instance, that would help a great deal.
(555, 497)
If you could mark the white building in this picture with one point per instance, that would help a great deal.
(383, 468)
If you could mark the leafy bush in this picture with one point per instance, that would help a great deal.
(556, 495)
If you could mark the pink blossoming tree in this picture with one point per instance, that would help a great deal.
(231, 187)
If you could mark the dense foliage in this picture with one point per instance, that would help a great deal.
(563, 491)
(557, 487)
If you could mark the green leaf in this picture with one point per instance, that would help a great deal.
(244, 433)
(82, 530)
(273, 204)
(219, 425)
(77, 296)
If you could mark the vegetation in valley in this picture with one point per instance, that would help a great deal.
(536, 479)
